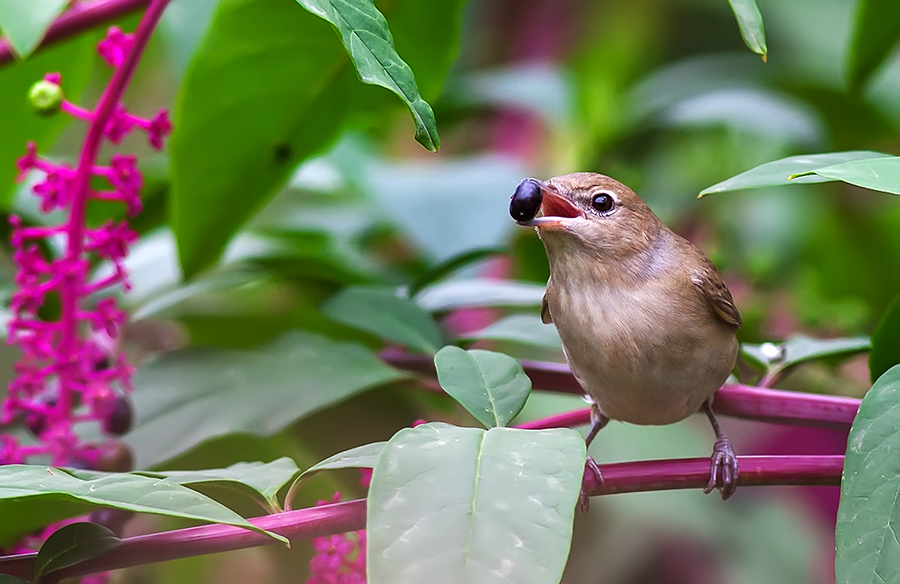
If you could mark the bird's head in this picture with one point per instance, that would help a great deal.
(591, 214)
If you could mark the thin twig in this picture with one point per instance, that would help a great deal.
(79, 18)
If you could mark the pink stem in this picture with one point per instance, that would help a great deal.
(71, 286)
(626, 477)
(740, 401)
(80, 17)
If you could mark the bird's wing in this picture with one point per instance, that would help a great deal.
(710, 283)
(545, 307)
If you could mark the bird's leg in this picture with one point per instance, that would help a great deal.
(598, 422)
(723, 460)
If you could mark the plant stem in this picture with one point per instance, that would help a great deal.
(626, 477)
(739, 401)
(80, 17)
(71, 287)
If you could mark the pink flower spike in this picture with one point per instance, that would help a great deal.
(76, 111)
(119, 125)
(54, 78)
(111, 241)
(107, 317)
(27, 162)
(159, 128)
(115, 46)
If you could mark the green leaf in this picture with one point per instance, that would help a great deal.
(869, 513)
(886, 341)
(24, 23)
(878, 174)
(451, 265)
(498, 504)
(266, 89)
(800, 348)
(778, 173)
(35, 496)
(381, 312)
(526, 329)
(73, 59)
(492, 386)
(366, 36)
(269, 87)
(262, 480)
(470, 292)
(875, 34)
(750, 21)
(72, 544)
(360, 457)
(7, 579)
(188, 397)
(363, 456)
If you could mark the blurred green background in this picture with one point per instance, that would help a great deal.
(660, 94)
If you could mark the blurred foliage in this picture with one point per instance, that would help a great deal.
(288, 181)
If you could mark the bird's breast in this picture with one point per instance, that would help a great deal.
(646, 353)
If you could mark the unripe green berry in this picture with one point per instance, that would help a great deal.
(46, 97)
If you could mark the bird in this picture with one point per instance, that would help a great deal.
(647, 324)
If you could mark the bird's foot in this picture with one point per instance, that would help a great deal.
(723, 469)
(591, 474)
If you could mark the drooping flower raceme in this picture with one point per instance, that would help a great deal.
(67, 324)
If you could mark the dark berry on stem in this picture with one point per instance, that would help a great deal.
(118, 422)
(526, 200)
(114, 456)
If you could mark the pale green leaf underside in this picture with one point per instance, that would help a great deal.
(450, 505)
(878, 174)
(33, 496)
(867, 542)
(779, 172)
(24, 22)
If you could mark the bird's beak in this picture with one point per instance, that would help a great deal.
(554, 208)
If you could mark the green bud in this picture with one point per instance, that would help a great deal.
(45, 97)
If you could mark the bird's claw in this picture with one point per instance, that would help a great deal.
(591, 473)
(723, 469)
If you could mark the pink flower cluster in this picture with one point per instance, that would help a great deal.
(340, 558)
(70, 371)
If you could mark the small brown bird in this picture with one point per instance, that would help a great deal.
(647, 324)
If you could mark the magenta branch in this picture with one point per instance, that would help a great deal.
(738, 401)
(626, 477)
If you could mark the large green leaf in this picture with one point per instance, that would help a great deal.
(363, 456)
(469, 292)
(868, 548)
(492, 386)
(72, 544)
(368, 40)
(18, 120)
(269, 86)
(886, 342)
(381, 312)
(497, 504)
(190, 396)
(266, 89)
(34, 496)
(778, 173)
(875, 34)
(24, 23)
(878, 174)
(750, 21)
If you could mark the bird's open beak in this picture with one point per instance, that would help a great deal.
(554, 207)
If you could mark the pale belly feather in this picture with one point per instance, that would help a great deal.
(635, 362)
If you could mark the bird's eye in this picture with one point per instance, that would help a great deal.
(603, 203)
